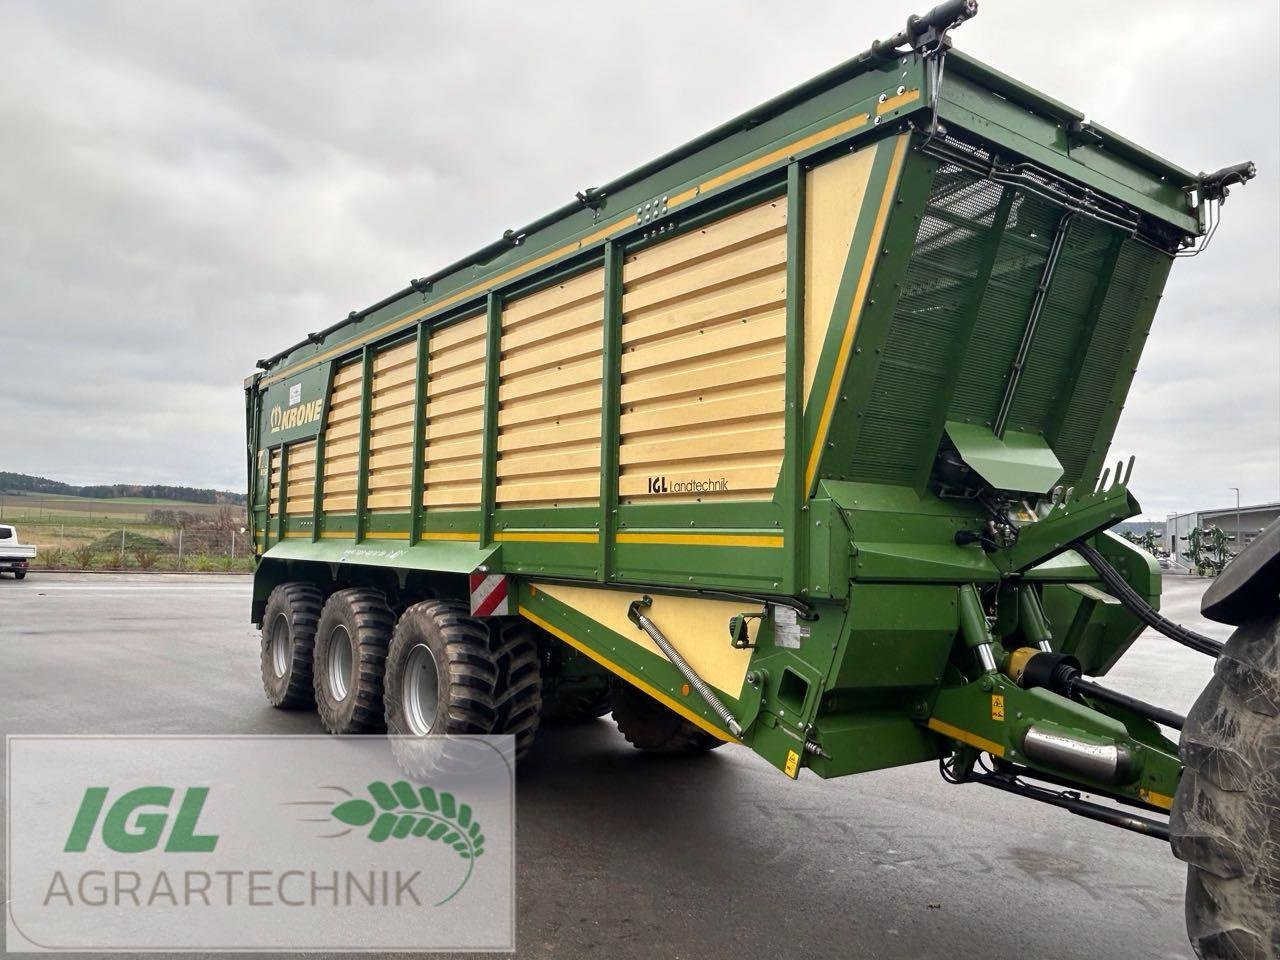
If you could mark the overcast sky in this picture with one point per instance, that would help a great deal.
(187, 187)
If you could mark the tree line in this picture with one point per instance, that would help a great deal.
(26, 483)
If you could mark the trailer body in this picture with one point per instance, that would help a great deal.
(817, 384)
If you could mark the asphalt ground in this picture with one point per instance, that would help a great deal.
(621, 855)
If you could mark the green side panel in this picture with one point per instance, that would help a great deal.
(901, 422)
(1019, 461)
(1093, 406)
(294, 408)
(898, 636)
(1089, 623)
(1006, 304)
(870, 740)
(986, 315)
(1064, 323)
(444, 556)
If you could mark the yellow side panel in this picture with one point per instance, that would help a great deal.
(703, 362)
(697, 628)
(273, 485)
(301, 481)
(342, 440)
(833, 196)
(454, 453)
(549, 391)
(391, 427)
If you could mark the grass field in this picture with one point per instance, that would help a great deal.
(36, 508)
(83, 532)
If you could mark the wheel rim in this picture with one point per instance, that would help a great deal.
(280, 646)
(420, 690)
(340, 663)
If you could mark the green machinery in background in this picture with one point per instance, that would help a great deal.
(794, 438)
(1207, 550)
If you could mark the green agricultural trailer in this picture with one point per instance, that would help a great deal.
(793, 438)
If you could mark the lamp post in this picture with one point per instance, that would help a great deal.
(1239, 532)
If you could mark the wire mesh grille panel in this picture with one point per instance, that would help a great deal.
(925, 336)
(983, 255)
(1111, 355)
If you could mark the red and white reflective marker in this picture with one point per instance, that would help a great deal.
(489, 597)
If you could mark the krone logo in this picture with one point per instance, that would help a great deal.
(298, 416)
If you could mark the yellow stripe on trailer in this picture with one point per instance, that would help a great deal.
(964, 736)
(705, 539)
(547, 536)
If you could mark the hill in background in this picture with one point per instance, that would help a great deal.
(26, 483)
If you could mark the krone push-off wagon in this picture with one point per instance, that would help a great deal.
(793, 438)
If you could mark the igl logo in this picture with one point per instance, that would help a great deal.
(657, 484)
(126, 829)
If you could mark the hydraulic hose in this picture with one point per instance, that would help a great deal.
(1160, 715)
(1121, 590)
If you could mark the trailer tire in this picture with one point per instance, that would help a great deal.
(19, 574)
(350, 655)
(1225, 821)
(568, 707)
(288, 638)
(517, 697)
(439, 639)
(654, 728)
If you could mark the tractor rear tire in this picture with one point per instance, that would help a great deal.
(1225, 821)
(350, 654)
(288, 637)
(654, 728)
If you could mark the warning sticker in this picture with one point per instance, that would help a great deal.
(997, 706)
(792, 768)
(788, 631)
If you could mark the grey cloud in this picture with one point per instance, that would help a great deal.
(187, 187)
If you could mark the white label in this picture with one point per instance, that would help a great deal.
(295, 394)
(787, 629)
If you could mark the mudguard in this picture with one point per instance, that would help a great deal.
(1250, 584)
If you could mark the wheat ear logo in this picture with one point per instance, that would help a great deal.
(401, 811)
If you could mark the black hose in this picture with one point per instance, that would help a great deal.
(1160, 715)
(1121, 590)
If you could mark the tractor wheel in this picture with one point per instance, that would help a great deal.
(1225, 821)
(654, 728)
(351, 650)
(288, 636)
